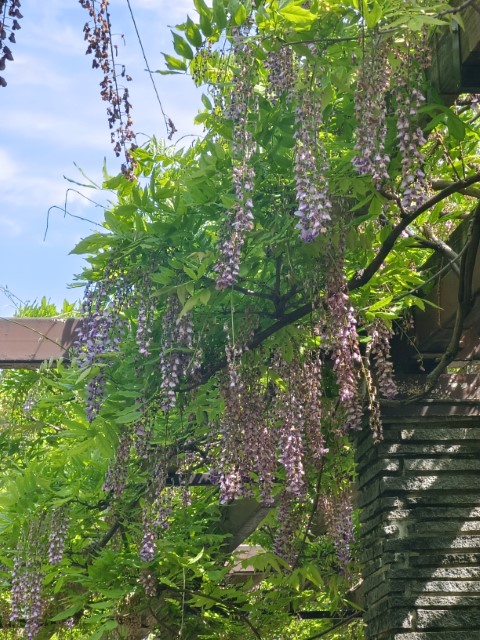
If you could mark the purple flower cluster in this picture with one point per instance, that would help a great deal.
(379, 348)
(234, 465)
(148, 546)
(9, 23)
(281, 74)
(99, 334)
(27, 600)
(343, 342)
(312, 400)
(409, 98)
(370, 110)
(177, 354)
(156, 512)
(97, 33)
(283, 544)
(248, 439)
(148, 582)
(116, 476)
(31, 399)
(240, 217)
(375, 418)
(142, 429)
(155, 519)
(146, 311)
(58, 535)
(289, 415)
(313, 202)
(338, 512)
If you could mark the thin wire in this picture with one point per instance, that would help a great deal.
(150, 72)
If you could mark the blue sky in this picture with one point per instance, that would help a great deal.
(52, 117)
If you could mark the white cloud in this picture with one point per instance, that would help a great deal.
(8, 167)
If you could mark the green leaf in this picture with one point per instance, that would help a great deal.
(374, 16)
(90, 244)
(206, 25)
(384, 302)
(193, 33)
(68, 613)
(297, 15)
(202, 297)
(174, 63)
(240, 15)
(198, 557)
(456, 127)
(201, 7)
(181, 46)
(206, 102)
(219, 14)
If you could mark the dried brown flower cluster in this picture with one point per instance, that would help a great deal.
(97, 33)
(9, 17)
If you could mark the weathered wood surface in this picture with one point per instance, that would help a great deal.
(456, 55)
(27, 342)
(419, 493)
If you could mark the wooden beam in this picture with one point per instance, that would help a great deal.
(26, 342)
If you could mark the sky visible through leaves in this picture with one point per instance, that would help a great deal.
(53, 118)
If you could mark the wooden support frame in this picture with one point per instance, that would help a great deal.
(456, 56)
(26, 342)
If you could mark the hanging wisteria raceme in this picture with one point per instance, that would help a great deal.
(142, 429)
(408, 81)
(312, 400)
(342, 339)
(311, 186)
(116, 476)
(58, 534)
(100, 333)
(31, 399)
(9, 23)
(281, 75)
(97, 33)
(146, 311)
(156, 513)
(148, 582)
(289, 414)
(379, 349)
(27, 601)
(240, 217)
(248, 439)
(283, 544)
(234, 467)
(375, 418)
(338, 512)
(370, 110)
(178, 357)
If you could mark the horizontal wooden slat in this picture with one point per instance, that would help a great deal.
(27, 342)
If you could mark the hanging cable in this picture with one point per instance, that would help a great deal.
(168, 122)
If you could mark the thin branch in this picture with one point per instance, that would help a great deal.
(149, 71)
(432, 242)
(458, 9)
(451, 264)
(464, 299)
(367, 274)
(439, 185)
(342, 623)
(235, 610)
(464, 306)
